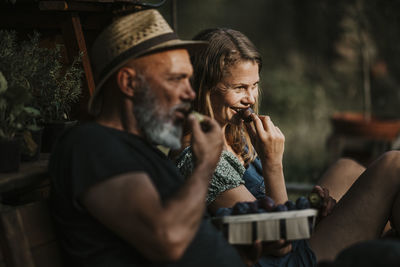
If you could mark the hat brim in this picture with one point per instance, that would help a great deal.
(94, 103)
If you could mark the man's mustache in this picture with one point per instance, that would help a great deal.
(184, 107)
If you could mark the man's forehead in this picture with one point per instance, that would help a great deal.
(166, 58)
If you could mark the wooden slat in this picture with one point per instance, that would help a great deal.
(27, 236)
(47, 255)
(37, 223)
(39, 231)
(2, 263)
(15, 244)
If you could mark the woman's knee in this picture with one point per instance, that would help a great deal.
(351, 164)
(389, 165)
(390, 159)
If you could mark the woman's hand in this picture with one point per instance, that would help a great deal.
(327, 202)
(252, 253)
(277, 248)
(267, 139)
(269, 142)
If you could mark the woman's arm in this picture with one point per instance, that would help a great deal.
(230, 197)
(268, 141)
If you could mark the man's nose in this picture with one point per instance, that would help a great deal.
(189, 93)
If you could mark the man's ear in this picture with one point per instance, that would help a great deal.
(126, 80)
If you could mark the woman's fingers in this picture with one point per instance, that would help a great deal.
(265, 126)
(250, 126)
(277, 248)
(328, 203)
(259, 125)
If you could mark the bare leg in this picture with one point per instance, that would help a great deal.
(363, 211)
(341, 176)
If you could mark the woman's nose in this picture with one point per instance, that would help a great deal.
(250, 97)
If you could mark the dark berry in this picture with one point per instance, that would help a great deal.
(290, 205)
(266, 203)
(246, 114)
(221, 212)
(253, 207)
(280, 207)
(302, 203)
(240, 208)
(260, 210)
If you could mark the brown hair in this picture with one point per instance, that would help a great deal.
(226, 47)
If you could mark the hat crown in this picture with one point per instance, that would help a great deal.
(127, 38)
(125, 33)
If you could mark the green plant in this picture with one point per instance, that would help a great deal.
(53, 88)
(15, 115)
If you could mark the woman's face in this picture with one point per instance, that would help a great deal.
(237, 90)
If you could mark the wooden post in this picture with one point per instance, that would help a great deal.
(75, 44)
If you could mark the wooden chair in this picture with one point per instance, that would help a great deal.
(27, 236)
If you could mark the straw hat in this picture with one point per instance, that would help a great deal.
(129, 37)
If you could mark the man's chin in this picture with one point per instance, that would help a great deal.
(171, 144)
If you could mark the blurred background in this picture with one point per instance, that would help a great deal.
(320, 57)
(330, 76)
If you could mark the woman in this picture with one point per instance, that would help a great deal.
(226, 77)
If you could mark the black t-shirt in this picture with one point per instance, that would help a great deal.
(91, 153)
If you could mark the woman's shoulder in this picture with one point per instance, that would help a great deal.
(227, 161)
(185, 157)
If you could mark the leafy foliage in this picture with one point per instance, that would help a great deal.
(40, 70)
(15, 116)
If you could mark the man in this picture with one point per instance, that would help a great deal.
(116, 199)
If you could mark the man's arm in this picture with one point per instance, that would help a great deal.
(131, 207)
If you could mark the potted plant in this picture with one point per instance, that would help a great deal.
(54, 87)
(55, 91)
(16, 120)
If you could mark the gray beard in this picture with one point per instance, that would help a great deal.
(157, 128)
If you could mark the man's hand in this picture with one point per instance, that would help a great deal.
(207, 141)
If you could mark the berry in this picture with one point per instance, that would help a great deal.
(221, 212)
(280, 207)
(260, 210)
(253, 207)
(290, 205)
(302, 203)
(240, 208)
(266, 203)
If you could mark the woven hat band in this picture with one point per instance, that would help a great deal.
(138, 49)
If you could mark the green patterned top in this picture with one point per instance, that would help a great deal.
(227, 175)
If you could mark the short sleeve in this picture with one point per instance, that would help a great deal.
(86, 156)
(228, 173)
